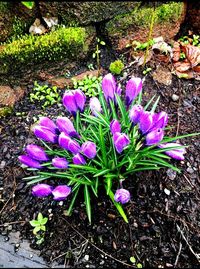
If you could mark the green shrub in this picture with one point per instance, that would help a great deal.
(61, 43)
(116, 67)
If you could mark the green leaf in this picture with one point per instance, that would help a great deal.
(87, 202)
(29, 5)
(102, 172)
(108, 184)
(139, 265)
(69, 211)
(34, 223)
(102, 43)
(36, 229)
(102, 145)
(133, 259)
(40, 217)
(155, 104)
(44, 221)
(43, 228)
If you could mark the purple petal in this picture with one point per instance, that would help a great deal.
(69, 102)
(36, 152)
(154, 137)
(122, 196)
(48, 123)
(42, 190)
(45, 134)
(63, 140)
(73, 146)
(133, 87)
(135, 112)
(65, 125)
(109, 87)
(95, 106)
(121, 140)
(145, 121)
(78, 159)
(61, 192)
(159, 120)
(59, 162)
(89, 149)
(174, 153)
(115, 126)
(80, 99)
(27, 160)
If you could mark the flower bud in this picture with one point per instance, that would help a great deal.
(115, 126)
(135, 112)
(78, 159)
(121, 140)
(45, 134)
(145, 121)
(122, 196)
(42, 190)
(109, 86)
(36, 152)
(89, 149)
(159, 120)
(73, 146)
(69, 102)
(95, 106)
(59, 162)
(65, 125)
(174, 153)
(63, 140)
(48, 123)
(61, 192)
(133, 87)
(28, 161)
(80, 99)
(154, 137)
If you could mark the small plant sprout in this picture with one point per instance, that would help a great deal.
(116, 67)
(134, 262)
(100, 144)
(89, 85)
(147, 70)
(97, 52)
(39, 228)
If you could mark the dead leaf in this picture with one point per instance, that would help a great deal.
(197, 68)
(176, 51)
(182, 66)
(192, 53)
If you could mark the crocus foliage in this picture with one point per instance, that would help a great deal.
(100, 145)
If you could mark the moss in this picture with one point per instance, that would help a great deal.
(19, 27)
(4, 6)
(62, 43)
(142, 16)
(5, 111)
(116, 67)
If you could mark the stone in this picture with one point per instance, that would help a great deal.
(163, 75)
(175, 97)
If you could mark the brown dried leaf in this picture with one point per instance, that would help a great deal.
(192, 53)
(176, 51)
(182, 66)
(197, 69)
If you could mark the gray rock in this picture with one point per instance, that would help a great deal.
(175, 97)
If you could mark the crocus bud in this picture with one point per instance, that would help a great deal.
(145, 121)
(73, 146)
(78, 159)
(121, 140)
(174, 153)
(95, 106)
(80, 99)
(45, 134)
(60, 163)
(115, 126)
(109, 86)
(61, 192)
(133, 87)
(42, 190)
(48, 123)
(118, 90)
(122, 196)
(154, 137)
(36, 152)
(65, 125)
(27, 160)
(135, 112)
(63, 140)
(89, 149)
(69, 102)
(159, 120)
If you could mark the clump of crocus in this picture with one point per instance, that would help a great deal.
(110, 139)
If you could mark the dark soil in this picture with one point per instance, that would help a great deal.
(164, 212)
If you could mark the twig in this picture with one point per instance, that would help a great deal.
(14, 222)
(5, 205)
(106, 254)
(186, 241)
(178, 254)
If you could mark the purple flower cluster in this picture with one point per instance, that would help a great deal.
(120, 140)
(43, 190)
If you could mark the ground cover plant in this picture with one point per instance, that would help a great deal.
(105, 143)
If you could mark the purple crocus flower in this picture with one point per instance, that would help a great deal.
(59, 162)
(80, 99)
(154, 136)
(73, 146)
(65, 125)
(36, 152)
(174, 153)
(78, 159)
(133, 87)
(121, 140)
(135, 112)
(45, 134)
(109, 87)
(42, 190)
(27, 160)
(89, 149)
(145, 121)
(69, 102)
(95, 106)
(48, 123)
(63, 140)
(122, 196)
(115, 126)
(118, 90)
(61, 192)
(159, 120)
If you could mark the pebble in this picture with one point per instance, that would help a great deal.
(171, 174)
(86, 258)
(2, 164)
(9, 228)
(61, 203)
(175, 97)
(166, 191)
(190, 170)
